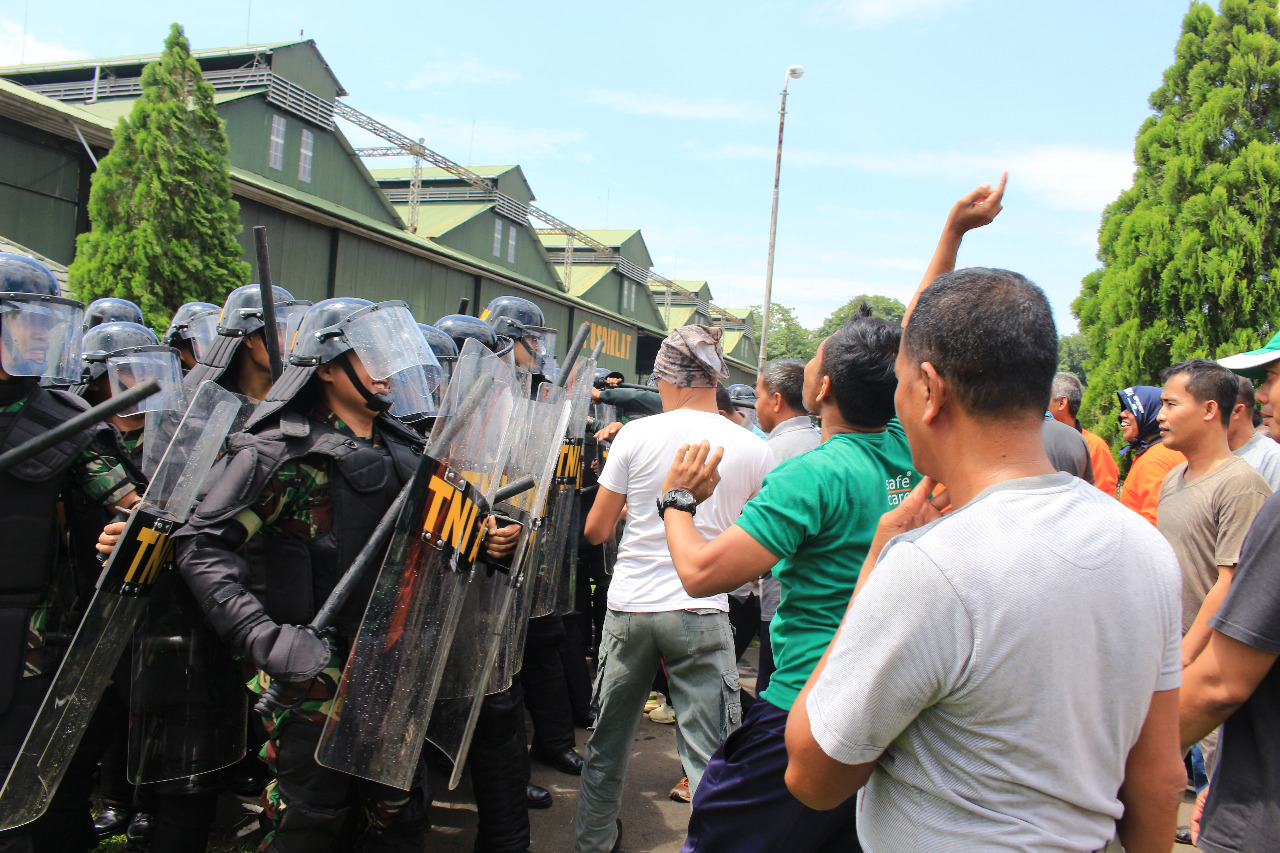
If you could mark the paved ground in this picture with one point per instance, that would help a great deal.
(652, 823)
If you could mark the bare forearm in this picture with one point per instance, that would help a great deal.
(1151, 811)
(708, 567)
(1197, 636)
(943, 261)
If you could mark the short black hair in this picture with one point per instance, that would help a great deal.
(859, 359)
(1245, 394)
(1067, 385)
(1207, 380)
(990, 334)
(614, 374)
(785, 376)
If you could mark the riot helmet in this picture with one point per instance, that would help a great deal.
(744, 399)
(39, 330)
(195, 323)
(446, 352)
(242, 316)
(111, 309)
(388, 343)
(524, 323)
(460, 327)
(129, 354)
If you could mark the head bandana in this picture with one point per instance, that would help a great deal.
(690, 357)
(1144, 402)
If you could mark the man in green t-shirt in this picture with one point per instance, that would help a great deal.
(812, 524)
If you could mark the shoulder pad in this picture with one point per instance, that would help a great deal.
(237, 479)
(46, 409)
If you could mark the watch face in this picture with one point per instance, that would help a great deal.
(680, 499)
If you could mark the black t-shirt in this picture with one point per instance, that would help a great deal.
(1242, 814)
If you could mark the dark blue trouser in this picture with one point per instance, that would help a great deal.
(743, 803)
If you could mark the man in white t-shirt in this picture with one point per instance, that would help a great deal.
(650, 617)
(1006, 676)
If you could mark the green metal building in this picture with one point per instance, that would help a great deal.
(424, 235)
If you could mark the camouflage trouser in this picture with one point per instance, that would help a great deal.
(307, 806)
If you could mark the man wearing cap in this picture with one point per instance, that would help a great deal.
(1234, 682)
(650, 615)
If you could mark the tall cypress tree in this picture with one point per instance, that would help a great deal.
(1189, 253)
(164, 225)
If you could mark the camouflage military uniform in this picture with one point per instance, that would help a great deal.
(296, 502)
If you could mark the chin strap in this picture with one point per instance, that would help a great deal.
(374, 402)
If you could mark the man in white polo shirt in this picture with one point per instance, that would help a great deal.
(1006, 676)
(650, 617)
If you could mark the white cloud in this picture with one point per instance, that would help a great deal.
(666, 106)
(467, 70)
(1066, 177)
(877, 14)
(16, 47)
(484, 141)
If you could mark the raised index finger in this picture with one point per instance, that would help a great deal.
(998, 193)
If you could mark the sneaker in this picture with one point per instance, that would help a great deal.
(680, 793)
(664, 714)
(655, 699)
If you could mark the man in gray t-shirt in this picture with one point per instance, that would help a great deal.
(1256, 448)
(1067, 449)
(1006, 676)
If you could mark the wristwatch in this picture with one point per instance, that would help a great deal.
(681, 499)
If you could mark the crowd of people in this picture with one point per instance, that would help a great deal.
(977, 630)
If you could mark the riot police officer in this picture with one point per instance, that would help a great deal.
(192, 331)
(111, 309)
(543, 674)
(319, 465)
(39, 337)
(237, 359)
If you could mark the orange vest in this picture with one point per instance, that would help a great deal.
(1106, 473)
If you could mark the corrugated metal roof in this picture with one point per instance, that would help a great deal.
(611, 237)
(112, 110)
(142, 58)
(441, 218)
(434, 172)
(585, 276)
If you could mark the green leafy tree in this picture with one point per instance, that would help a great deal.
(881, 306)
(164, 225)
(1073, 352)
(787, 338)
(1189, 252)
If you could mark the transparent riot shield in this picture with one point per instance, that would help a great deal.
(496, 603)
(553, 585)
(188, 710)
(120, 597)
(378, 724)
(161, 424)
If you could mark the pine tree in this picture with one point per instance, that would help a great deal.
(1189, 253)
(163, 222)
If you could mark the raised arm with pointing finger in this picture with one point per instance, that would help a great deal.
(976, 208)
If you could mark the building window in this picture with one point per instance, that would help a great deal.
(304, 156)
(497, 237)
(511, 245)
(275, 158)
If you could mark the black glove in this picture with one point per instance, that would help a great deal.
(288, 652)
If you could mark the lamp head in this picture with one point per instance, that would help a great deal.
(795, 71)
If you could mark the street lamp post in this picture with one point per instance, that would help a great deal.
(794, 71)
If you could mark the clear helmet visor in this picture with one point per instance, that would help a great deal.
(202, 331)
(414, 392)
(288, 319)
(41, 337)
(161, 364)
(536, 351)
(388, 341)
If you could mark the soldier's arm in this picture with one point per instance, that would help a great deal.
(104, 480)
(210, 557)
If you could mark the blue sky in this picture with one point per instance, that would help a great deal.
(663, 116)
